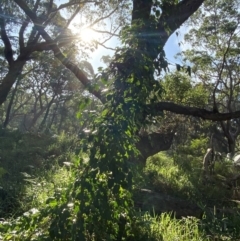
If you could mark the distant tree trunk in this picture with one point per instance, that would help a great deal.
(53, 116)
(62, 118)
(231, 146)
(231, 137)
(36, 117)
(7, 119)
(43, 123)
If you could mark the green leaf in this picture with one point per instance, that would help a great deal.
(52, 202)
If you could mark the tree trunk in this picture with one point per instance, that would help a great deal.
(151, 144)
(231, 146)
(36, 117)
(62, 117)
(7, 119)
(8, 81)
(43, 123)
(53, 116)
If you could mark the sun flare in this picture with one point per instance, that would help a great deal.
(88, 35)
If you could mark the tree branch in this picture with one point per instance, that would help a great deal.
(158, 108)
(101, 44)
(57, 52)
(175, 17)
(8, 53)
(23, 27)
(21, 32)
(72, 3)
(43, 46)
(68, 23)
(104, 17)
(106, 32)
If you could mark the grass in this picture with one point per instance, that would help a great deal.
(172, 229)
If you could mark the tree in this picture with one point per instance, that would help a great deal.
(40, 89)
(46, 15)
(214, 35)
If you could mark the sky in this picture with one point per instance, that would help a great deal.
(171, 49)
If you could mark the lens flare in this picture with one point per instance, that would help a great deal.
(87, 35)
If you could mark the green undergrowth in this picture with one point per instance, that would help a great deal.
(37, 195)
(29, 161)
(144, 227)
(38, 200)
(180, 176)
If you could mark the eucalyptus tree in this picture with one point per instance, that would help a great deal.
(214, 39)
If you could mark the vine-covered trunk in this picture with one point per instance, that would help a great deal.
(108, 179)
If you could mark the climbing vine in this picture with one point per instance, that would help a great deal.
(101, 196)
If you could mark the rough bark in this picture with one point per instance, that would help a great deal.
(231, 146)
(141, 9)
(230, 135)
(8, 52)
(168, 23)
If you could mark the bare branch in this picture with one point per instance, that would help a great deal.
(36, 6)
(21, 32)
(102, 43)
(43, 46)
(104, 17)
(68, 23)
(50, 7)
(158, 108)
(69, 4)
(108, 37)
(105, 32)
(105, 46)
(72, 17)
(215, 108)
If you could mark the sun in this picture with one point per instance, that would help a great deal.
(87, 35)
